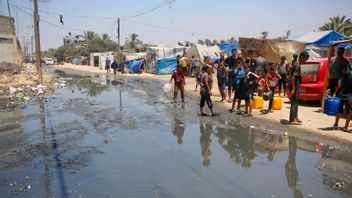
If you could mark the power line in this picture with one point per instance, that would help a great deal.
(127, 16)
(163, 4)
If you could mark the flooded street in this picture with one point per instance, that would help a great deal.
(108, 137)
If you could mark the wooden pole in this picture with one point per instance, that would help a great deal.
(118, 33)
(8, 7)
(327, 74)
(37, 40)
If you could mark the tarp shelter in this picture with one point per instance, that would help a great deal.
(317, 43)
(134, 66)
(322, 38)
(201, 51)
(158, 53)
(271, 50)
(165, 66)
(227, 47)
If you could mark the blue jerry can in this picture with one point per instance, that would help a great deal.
(331, 105)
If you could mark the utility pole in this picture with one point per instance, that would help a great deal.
(8, 7)
(37, 40)
(118, 33)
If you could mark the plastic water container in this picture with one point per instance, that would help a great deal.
(167, 87)
(258, 102)
(277, 103)
(331, 105)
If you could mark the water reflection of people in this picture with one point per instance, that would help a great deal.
(205, 141)
(178, 129)
(291, 169)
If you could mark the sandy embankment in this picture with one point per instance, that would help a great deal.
(314, 122)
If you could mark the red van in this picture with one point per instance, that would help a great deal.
(313, 74)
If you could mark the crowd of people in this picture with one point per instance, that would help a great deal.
(245, 78)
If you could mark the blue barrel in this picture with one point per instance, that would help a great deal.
(331, 105)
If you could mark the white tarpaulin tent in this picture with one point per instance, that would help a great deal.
(161, 52)
(201, 51)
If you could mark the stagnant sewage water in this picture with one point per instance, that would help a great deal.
(106, 137)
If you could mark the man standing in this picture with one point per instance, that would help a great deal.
(251, 62)
(107, 65)
(337, 70)
(180, 82)
(296, 81)
(261, 64)
(205, 92)
(230, 65)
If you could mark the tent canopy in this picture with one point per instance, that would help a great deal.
(201, 51)
(165, 66)
(271, 50)
(227, 47)
(134, 66)
(322, 38)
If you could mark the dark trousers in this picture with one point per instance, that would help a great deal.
(272, 98)
(294, 106)
(205, 97)
(332, 85)
(282, 82)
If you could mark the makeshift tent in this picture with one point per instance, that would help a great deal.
(134, 66)
(271, 50)
(201, 51)
(322, 38)
(227, 47)
(165, 66)
(317, 42)
(157, 53)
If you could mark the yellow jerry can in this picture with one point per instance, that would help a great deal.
(277, 103)
(258, 102)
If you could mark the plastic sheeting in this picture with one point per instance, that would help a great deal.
(134, 66)
(271, 50)
(227, 47)
(165, 66)
(322, 38)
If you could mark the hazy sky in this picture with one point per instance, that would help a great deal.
(190, 19)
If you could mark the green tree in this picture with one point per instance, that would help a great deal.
(288, 33)
(200, 42)
(265, 34)
(207, 41)
(215, 42)
(232, 40)
(338, 24)
(133, 42)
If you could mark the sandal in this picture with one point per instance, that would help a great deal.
(335, 127)
(345, 130)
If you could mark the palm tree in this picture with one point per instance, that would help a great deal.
(207, 41)
(265, 34)
(200, 42)
(288, 33)
(133, 42)
(232, 40)
(338, 24)
(105, 37)
(90, 35)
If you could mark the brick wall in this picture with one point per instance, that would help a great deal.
(7, 25)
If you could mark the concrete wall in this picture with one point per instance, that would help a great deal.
(10, 49)
(7, 25)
